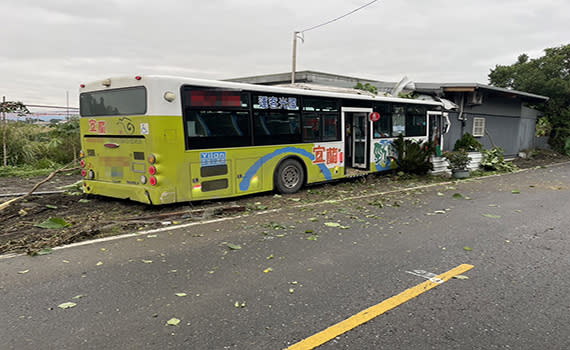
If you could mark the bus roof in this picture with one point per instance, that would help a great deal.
(174, 83)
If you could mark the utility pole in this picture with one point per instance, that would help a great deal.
(67, 98)
(302, 32)
(4, 130)
(294, 64)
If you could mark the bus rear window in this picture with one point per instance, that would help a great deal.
(128, 101)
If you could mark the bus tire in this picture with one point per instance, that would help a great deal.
(289, 176)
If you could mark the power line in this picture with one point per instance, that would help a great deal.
(336, 19)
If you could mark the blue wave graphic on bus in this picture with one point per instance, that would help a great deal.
(244, 184)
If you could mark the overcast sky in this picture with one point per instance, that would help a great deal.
(51, 46)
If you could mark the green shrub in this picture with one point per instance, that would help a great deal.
(413, 157)
(493, 159)
(458, 160)
(543, 127)
(468, 143)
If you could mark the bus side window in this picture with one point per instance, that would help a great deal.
(276, 127)
(399, 121)
(217, 128)
(416, 119)
(382, 126)
(321, 119)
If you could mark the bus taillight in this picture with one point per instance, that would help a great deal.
(81, 154)
(82, 163)
(152, 170)
(83, 173)
(153, 181)
(143, 179)
(152, 159)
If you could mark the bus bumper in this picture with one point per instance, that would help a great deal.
(127, 191)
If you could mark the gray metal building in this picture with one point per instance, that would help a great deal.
(495, 116)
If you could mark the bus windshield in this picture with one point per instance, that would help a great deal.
(129, 101)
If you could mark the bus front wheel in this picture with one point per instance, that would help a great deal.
(289, 177)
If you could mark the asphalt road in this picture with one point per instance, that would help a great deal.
(294, 276)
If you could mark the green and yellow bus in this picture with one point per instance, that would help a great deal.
(159, 139)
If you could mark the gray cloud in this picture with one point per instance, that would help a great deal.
(50, 47)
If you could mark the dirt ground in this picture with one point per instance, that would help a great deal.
(89, 217)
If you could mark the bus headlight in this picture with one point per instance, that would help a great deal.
(143, 179)
(91, 175)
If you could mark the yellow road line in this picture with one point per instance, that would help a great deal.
(374, 311)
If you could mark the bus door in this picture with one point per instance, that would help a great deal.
(438, 124)
(357, 136)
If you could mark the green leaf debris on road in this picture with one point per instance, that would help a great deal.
(492, 216)
(66, 305)
(53, 222)
(173, 322)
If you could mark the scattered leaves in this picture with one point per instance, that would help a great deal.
(181, 294)
(43, 251)
(173, 322)
(270, 257)
(267, 270)
(492, 216)
(99, 263)
(66, 305)
(233, 246)
(467, 248)
(50, 206)
(461, 277)
(332, 224)
(516, 192)
(23, 272)
(53, 222)
(146, 261)
(457, 196)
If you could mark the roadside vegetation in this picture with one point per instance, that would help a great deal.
(548, 75)
(34, 150)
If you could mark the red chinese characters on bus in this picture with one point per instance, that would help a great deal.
(328, 156)
(102, 127)
(319, 155)
(97, 126)
(332, 155)
(92, 125)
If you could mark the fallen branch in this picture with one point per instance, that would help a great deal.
(11, 201)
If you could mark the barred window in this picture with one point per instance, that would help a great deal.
(478, 127)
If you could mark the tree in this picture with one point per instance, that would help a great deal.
(548, 75)
(367, 87)
(9, 107)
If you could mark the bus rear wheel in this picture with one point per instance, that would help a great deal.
(289, 177)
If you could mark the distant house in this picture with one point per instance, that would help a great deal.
(495, 116)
